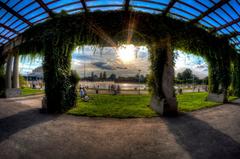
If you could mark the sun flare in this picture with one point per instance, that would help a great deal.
(126, 53)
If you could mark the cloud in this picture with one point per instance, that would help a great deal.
(103, 65)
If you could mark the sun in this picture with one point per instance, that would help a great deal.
(126, 53)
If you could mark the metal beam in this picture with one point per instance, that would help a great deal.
(210, 10)
(45, 7)
(169, 6)
(1, 36)
(8, 28)
(84, 5)
(13, 12)
(126, 5)
(238, 43)
(226, 25)
(231, 35)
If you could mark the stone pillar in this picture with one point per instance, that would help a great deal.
(163, 95)
(9, 72)
(16, 72)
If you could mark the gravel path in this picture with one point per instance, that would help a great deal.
(212, 133)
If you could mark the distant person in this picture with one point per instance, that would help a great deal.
(97, 89)
(180, 91)
(118, 89)
(114, 90)
(82, 94)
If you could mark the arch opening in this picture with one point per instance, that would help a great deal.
(57, 38)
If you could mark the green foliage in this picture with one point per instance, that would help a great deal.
(235, 83)
(158, 56)
(22, 81)
(58, 36)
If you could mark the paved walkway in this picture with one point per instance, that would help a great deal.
(207, 134)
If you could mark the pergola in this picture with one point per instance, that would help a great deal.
(210, 28)
(221, 17)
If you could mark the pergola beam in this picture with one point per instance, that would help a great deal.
(126, 5)
(8, 28)
(231, 35)
(13, 12)
(4, 37)
(238, 43)
(226, 25)
(210, 10)
(169, 6)
(45, 7)
(84, 5)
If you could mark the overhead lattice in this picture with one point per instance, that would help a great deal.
(218, 16)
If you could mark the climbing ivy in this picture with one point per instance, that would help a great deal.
(56, 38)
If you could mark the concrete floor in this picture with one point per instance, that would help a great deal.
(206, 134)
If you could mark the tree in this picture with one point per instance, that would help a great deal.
(187, 75)
(92, 76)
(104, 75)
(112, 77)
(22, 81)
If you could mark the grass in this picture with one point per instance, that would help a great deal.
(125, 106)
(30, 91)
(119, 106)
(194, 101)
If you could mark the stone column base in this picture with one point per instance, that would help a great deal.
(162, 108)
(220, 98)
(12, 92)
(44, 105)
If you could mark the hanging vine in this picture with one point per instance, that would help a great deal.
(56, 38)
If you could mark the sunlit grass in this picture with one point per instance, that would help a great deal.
(124, 106)
(30, 91)
(119, 106)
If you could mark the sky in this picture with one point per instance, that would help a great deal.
(111, 61)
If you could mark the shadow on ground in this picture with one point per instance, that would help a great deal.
(24, 119)
(201, 140)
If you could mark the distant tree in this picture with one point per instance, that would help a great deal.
(187, 75)
(22, 81)
(92, 76)
(205, 80)
(101, 76)
(104, 75)
(112, 77)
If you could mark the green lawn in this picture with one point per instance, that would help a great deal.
(124, 106)
(30, 91)
(194, 101)
(120, 106)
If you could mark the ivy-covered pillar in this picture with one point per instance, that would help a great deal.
(59, 82)
(213, 81)
(16, 71)
(219, 76)
(8, 75)
(224, 76)
(162, 77)
(236, 76)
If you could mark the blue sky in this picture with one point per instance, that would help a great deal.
(107, 59)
